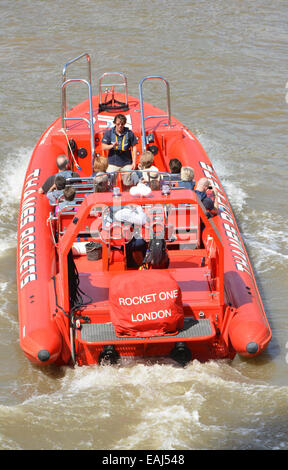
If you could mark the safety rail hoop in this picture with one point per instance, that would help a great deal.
(143, 118)
(165, 178)
(124, 84)
(65, 82)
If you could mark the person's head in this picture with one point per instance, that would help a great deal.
(100, 164)
(187, 173)
(69, 193)
(203, 184)
(120, 121)
(60, 182)
(146, 160)
(175, 165)
(62, 162)
(155, 184)
(101, 184)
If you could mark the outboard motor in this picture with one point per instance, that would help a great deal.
(181, 353)
(109, 355)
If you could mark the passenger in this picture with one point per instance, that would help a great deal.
(100, 165)
(135, 252)
(121, 143)
(187, 178)
(146, 163)
(175, 168)
(155, 185)
(57, 189)
(63, 169)
(69, 199)
(134, 217)
(202, 187)
(101, 183)
(100, 168)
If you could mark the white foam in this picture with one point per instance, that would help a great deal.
(225, 171)
(155, 406)
(11, 182)
(262, 232)
(268, 240)
(236, 195)
(12, 179)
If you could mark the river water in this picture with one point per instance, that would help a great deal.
(226, 63)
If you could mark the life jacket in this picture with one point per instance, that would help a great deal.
(122, 141)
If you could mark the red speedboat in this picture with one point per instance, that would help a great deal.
(79, 300)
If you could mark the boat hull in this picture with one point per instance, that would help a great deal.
(43, 318)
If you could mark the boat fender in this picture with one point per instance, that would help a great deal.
(82, 153)
(43, 355)
(153, 149)
(72, 145)
(252, 347)
(248, 333)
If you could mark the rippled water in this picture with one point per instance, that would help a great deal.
(226, 63)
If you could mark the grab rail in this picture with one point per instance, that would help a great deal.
(65, 82)
(112, 86)
(74, 60)
(143, 118)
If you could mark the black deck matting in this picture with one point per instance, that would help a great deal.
(99, 332)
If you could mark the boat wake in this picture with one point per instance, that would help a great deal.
(11, 184)
(261, 229)
(159, 406)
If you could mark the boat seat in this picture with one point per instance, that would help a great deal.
(113, 247)
(182, 224)
(64, 218)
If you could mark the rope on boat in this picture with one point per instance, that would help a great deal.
(75, 299)
(49, 221)
(71, 151)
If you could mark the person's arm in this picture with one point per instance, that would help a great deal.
(215, 210)
(134, 157)
(52, 198)
(108, 146)
(52, 188)
(106, 141)
(133, 147)
(216, 201)
(47, 185)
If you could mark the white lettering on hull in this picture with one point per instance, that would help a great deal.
(237, 251)
(27, 245)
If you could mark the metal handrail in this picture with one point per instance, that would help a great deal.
(89, 121)
(124, 84)
(65, 82)
(63, 110)
(74, 60)
(143, 119)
